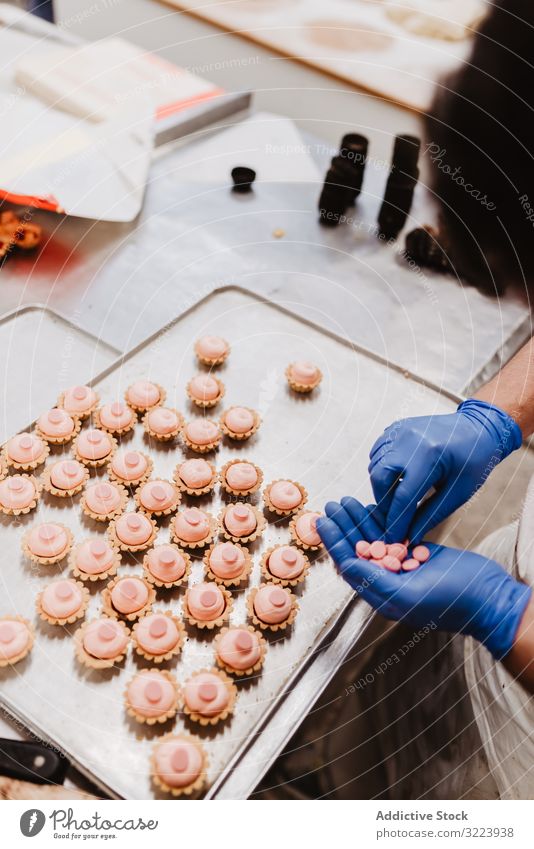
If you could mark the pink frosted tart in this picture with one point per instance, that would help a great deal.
(167, 566)
(196, 476)
(163, 423)
(117, 418)
(212, 350)
(241, 522)
(284, 497)
(239, 422)
(201, 435)
(65, 478)
(152, 696)
(240, 650)
(209, 696)
(303, 529)
(25, 451)
(62, 602)
(178, 765)
(193, 528)
(57, 427)
(79, 401)
(303, 376)
(284, 565)
(101, 643)
(158, 497)
(205, 390)
(133, 532)
(94, 448)
(128, 597)
(241, 477)
(104, 500)
(158, 636)
(130, 468)
(47, 543)
(227, 563)
(94, 559)
(207, 605)
(18, 494)
(16, 639)
(143, 395)
(271, 607)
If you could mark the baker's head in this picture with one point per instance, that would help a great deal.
(480, 150)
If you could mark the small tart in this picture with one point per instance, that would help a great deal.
(240, 650)
(166, 566)
(241, 477)
(16, 639)
(101, 643)
(271, 607)
(178, 765)
(94, 448)
(163, 423)
(227, 563)
(201, 435)
(196, 476)
(284, 497)
(62, 602)
(241, 522)
(133, 531)
(158, 497)
(239, 422)
(303, 376)
(130, 467)
(57, 426)
(128, 597)
(25, 451)
(209, 696)
(193, 528)
(47, 543)
(143, 395)
(207, 605)
(205, 390)
(158, 636)
(284, 565)
(65, 478)
(19, 494)
(94, 559)
(304, 531)
(117, 418)
(152, 696)
(104, 500)
(79, 401)
(212, 350)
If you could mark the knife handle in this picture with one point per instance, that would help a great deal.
(27, 760)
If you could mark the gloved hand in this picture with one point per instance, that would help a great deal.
(453, 453)
(456, 590)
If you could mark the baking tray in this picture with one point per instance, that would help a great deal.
(322, 441)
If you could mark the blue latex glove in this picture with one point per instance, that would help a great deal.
(454, 590)
(454, 454)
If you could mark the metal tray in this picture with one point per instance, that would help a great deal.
(322, 440)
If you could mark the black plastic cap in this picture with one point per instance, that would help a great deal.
(243, 178)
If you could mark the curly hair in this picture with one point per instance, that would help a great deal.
(480, 139)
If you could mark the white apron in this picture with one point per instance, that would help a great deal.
(504, 711)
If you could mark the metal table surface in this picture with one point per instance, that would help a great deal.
(121, 283)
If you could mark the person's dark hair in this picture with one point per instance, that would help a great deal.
(480, 144)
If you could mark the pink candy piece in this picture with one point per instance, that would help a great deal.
(377, 550)
(363, 549)
(410, 565)
(179, 760)
(207, 691)
(391, 563)
(244, 641)
(397, 549)
(421, 553)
